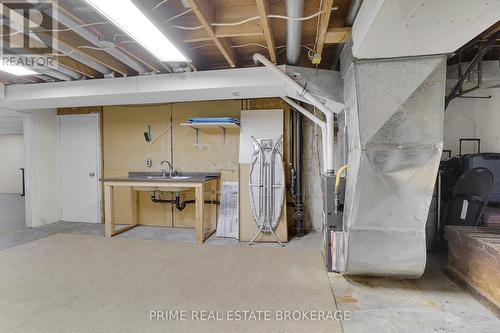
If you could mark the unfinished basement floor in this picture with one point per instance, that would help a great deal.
(68, 277)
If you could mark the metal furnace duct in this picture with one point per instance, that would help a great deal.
(394, 119)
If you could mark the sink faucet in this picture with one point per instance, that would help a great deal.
(171, 171)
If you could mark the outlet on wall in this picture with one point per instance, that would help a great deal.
(149, 163)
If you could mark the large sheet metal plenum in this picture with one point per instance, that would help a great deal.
(394, 121)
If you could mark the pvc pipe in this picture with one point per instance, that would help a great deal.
(257, 57)
(320, 123)
(303, 111)
(328, 137)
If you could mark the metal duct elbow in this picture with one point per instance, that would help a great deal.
(294, 8)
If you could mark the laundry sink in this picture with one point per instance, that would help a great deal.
(169, 177)
(163, 189)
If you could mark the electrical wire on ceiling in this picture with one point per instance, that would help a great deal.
(201, 46)
(161, 3)
(178, 15)
(57, 30)
(231, 24)
(249, 44)
(97, 48)
(73, 28)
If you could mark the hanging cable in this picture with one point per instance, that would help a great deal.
(56, 30)
(159, 5)
(203, 45)
(249, 44)
(154, 141)
(72, 28)
(178, 15)
(230, 24)
(181, 27)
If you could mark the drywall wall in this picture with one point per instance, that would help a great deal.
(12, 156)
(473, 118)
(45, 200)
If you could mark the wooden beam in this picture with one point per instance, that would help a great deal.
(337, 35)
(323, 25)
(205, 14)
(66, 61)
(78, 67)
(223, 32)
(263, 7)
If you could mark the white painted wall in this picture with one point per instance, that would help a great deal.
(46, 202)
(12, 158)
(471, 118)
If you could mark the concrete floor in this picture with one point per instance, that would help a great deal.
(432, 303)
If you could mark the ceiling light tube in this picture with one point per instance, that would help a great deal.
(17, 70)
(131, 20)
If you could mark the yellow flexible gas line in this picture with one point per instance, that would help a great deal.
(339, 173)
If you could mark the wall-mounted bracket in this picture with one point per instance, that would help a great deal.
(199, 126)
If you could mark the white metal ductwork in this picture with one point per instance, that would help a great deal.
(294, 8)
(394, 122)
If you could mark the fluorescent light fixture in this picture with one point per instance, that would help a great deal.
(17, 70)
(130, 19)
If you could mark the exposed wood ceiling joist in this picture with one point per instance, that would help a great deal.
(68, 62)
(337, 35)
(246, 28)
(323, 25)
(205, 14)
(223, 32)
(79, 44)
(263, 7)
(143, 60)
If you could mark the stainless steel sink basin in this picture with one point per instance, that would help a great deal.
(164, 189)
(168, 177)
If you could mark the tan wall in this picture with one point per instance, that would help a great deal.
(126, 150)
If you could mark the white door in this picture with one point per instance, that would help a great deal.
(79, 148)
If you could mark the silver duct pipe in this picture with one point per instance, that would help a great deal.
(294, 8)
(352, 12)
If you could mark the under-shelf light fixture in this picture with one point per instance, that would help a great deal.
(17, 70)
(131, 20)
